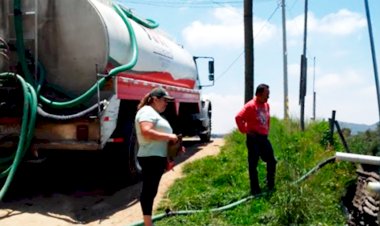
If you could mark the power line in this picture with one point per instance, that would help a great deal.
(257, 34)
(188, 4)
(204, 4)
(229, 67)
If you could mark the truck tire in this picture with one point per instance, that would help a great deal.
(205, 134)
(206, 137)
(131, 148)
(121, 158)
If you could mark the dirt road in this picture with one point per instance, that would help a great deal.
(94, 208)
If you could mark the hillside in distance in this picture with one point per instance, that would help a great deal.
(357, 128)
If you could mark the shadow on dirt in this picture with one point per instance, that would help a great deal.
(91, 189)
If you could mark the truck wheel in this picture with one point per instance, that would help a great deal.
(121, 158)
(205, 135)
(131, 148)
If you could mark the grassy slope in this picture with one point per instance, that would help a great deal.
(220, 180)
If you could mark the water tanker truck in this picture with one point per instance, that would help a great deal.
(72, 73)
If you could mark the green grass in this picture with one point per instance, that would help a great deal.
(366, 143)
(220, 180)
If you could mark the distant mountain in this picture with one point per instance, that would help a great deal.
(218, 135)
(356, 128)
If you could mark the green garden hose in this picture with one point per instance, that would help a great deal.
(169, 213)
(31, 90)
(26, 132)
(90, 92)
(151, 23)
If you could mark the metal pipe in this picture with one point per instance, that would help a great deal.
(374, 186)
(358, 158)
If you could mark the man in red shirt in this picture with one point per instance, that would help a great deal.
(254, 120)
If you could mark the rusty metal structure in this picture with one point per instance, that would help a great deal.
(365, 204)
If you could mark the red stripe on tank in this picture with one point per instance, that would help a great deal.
(133, 89)
(10, 120)
(156, 76)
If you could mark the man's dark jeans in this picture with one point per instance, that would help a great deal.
(260, 147)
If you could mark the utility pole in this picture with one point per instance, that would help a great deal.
(285, 59)
(303, 76)
(374, 62)
(248, 49)
(314, 93)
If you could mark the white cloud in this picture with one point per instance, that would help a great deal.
(333, 81)
(343, 22)
(228, 30)
(228, 15)
(207, 35)
(223, 118)
(225, 108)
(294, 70)
(347, 92)
(352, 99)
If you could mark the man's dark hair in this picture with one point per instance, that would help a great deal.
(260, 89)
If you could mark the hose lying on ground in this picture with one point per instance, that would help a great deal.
(169, 213)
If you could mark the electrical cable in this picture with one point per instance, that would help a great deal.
(255, 36)
(190, 4)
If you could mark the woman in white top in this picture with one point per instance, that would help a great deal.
(153, 134)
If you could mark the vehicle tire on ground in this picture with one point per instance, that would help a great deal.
(122, 159)
(205, 134)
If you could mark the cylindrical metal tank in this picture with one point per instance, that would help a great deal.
(78, 37)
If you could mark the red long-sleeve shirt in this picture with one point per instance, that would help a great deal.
(254, 118)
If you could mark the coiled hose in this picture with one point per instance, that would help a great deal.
(26, 133)
(31, 90)
(169, 213)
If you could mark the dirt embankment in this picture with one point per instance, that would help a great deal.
(92, 207)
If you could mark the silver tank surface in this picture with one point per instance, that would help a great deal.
(77, 37)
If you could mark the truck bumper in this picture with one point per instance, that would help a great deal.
(82, 134)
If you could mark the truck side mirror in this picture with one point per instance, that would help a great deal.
(211, 70)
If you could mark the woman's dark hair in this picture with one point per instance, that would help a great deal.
(148, 99)
(260, 88)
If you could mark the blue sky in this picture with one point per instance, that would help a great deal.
(337, 38)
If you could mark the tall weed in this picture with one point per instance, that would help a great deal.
(220, 180)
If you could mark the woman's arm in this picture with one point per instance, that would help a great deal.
(148, 131)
